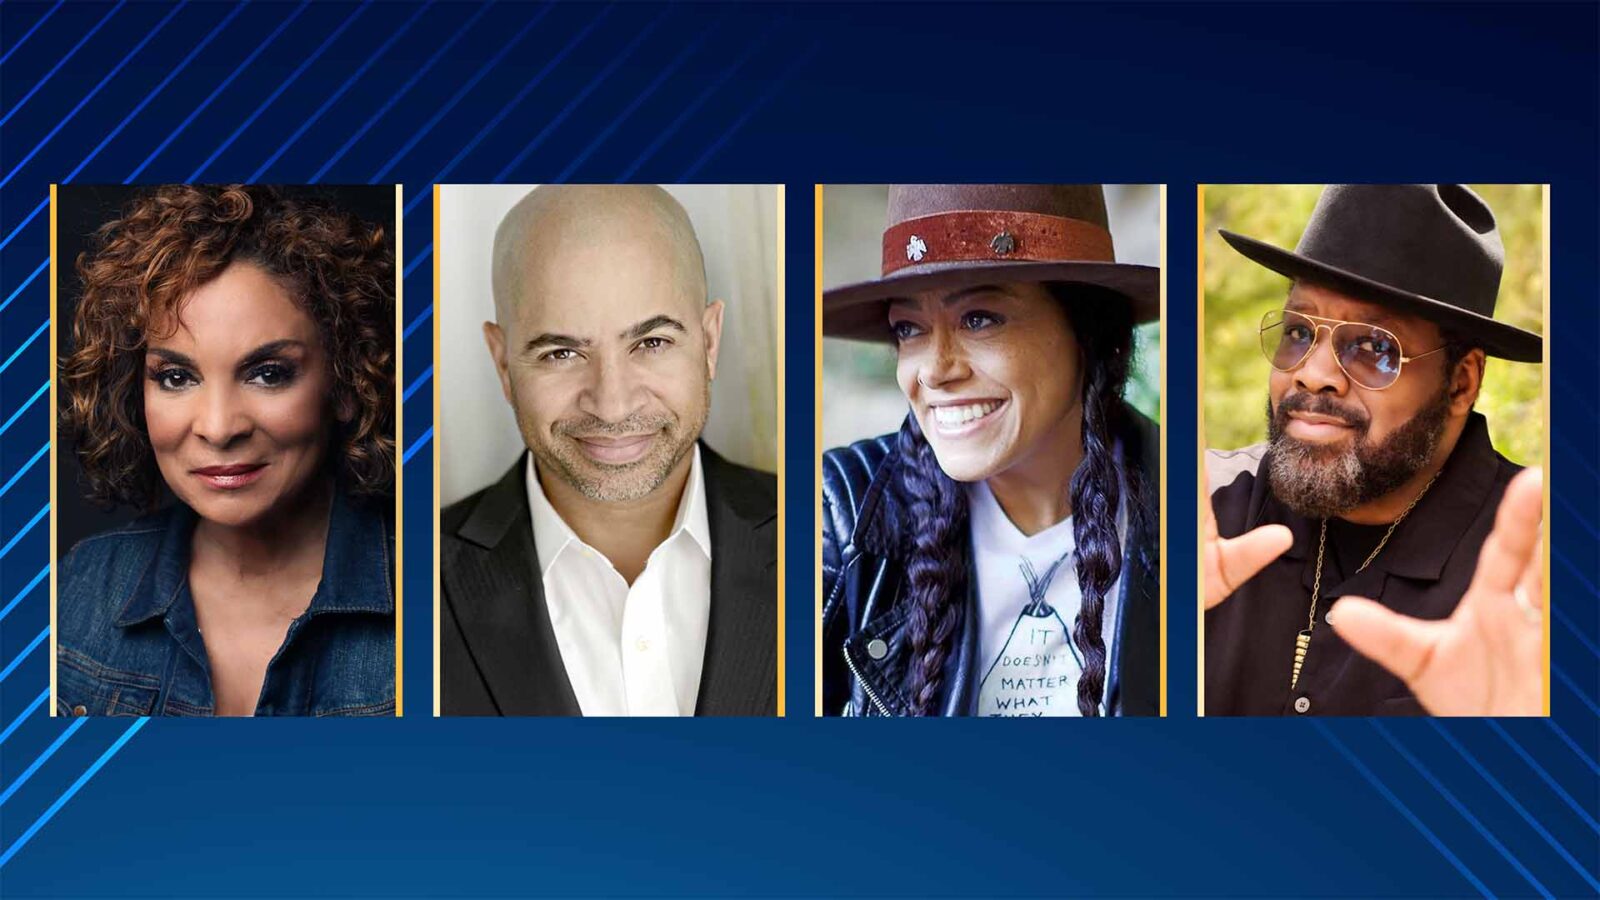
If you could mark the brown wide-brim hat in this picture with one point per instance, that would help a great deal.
(950, 236)
(1430, 250)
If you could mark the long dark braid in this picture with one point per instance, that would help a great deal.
(936, 569)
(1105, 339)
(937, 510)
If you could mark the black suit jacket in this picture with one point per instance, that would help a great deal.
(497, 651)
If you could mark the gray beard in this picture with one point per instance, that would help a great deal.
(1321, 482)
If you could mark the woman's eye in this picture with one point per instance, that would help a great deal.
(904, 330)
(271, 375)
(977, 320)
(172, 379)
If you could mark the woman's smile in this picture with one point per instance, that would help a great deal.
(963, 418)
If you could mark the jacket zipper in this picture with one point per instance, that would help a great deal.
(882, 710)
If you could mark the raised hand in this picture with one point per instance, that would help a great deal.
(1487, 659)
(1230, 562)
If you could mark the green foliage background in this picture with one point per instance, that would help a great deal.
(1238, 292)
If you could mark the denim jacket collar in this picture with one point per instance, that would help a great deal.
(356, 532)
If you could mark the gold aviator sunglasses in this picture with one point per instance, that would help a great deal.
(1369, 355)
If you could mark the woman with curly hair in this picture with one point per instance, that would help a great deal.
(232, 378)
(997, 556)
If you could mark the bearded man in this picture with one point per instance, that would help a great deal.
(620, 567)
(1378, 479)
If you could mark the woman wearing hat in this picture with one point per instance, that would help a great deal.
(998, 554)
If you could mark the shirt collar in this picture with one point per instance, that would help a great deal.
(552, 535)
(1424, 543)
(356, 564)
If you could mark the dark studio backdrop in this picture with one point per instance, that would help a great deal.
(80, 211)
(346, 92)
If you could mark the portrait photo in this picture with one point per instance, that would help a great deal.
(608, 377)
(223, 453)
(1374, 416)
(991, 472)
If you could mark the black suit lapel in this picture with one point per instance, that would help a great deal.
(739, 677)
(499, 599)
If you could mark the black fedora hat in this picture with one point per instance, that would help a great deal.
(1432, 250)
(959, 235)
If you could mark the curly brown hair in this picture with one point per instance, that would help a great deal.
(172, 239)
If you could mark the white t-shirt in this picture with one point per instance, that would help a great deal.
(1028, 601)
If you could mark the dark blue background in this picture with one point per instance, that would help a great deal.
(1178, 93)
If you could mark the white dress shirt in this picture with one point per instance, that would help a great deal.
(629, 650)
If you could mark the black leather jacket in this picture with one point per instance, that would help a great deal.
(863, 548)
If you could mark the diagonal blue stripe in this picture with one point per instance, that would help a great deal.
(24, 592)
(508, 108)
(425, 315)
(31, 401)
(1560, 674)
(31, 216)
(283, 86)
(72, 791)
(261, 48)
(26, 281)
(750, 110)
(617, 59)
(43, 327)
(413, 386)
(660, 79)
(94, 91)
(334, 97)
(426, 252)
(1573, 627)
(6, 673)
(43, 511)
(1577, 393)
(418, 444)
(31, 29)
(62, 61)
(1576, 455)
(32, 707)
(1398, 804)
(1462, 809)
(1576, 515)
(1545, 776)
(41, 759)
(176, 71)
(456, 97)
(1512, 801)
(1583, 579)
(25, 467)
(404, 89)
(699, 101)
(1572, 744)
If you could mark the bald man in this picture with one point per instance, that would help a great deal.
(620, 567)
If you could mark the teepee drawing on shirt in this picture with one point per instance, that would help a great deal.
(1035, 646)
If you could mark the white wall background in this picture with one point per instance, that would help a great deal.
(477, 436)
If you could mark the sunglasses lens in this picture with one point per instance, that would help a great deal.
(1369, 354)
(1286, 338)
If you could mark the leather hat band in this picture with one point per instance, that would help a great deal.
(993, 236)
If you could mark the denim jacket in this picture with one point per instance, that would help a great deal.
(128, 643)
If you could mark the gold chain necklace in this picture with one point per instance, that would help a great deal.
(1302, 640)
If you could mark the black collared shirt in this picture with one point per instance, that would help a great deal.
(1423, 572)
